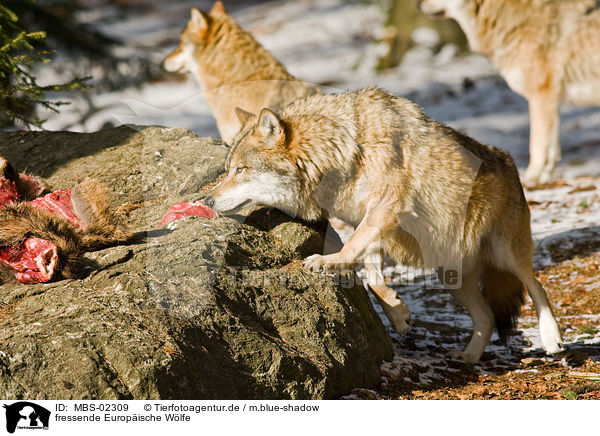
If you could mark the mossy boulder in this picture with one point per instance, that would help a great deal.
(202, 309)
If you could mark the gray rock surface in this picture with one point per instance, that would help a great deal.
(200, 309)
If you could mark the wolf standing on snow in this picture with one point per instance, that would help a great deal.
(547, 50)
(232, 68)
(425, 194)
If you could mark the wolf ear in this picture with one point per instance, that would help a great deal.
(218, 8)
(244, 116)
(198, 20)
(270, 126)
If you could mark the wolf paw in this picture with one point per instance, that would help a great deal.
(532, 176)
(546, 176)
(398, 314)
(551, 342)
(331, 262)
(550, 334)
(536, 176)
(461, 355)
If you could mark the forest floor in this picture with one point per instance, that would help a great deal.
(333, 43)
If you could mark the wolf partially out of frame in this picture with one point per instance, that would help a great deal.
(547, 50)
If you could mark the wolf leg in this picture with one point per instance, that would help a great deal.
(544, 146)
(549, 331)
(394, 308)
(470, 296)
(521, 267)
(367, 233)
(553, 152)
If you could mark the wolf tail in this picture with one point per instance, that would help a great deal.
(505, 293)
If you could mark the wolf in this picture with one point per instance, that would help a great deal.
(415, 189)
(232, 68)
(546, 50)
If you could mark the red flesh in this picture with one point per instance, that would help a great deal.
(182, 210)
(34, 261)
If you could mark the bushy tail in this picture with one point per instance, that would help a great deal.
(505, 293)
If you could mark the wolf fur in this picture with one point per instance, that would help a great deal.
(547, 50)
(416, 189)
(21, 220)
(232, 68)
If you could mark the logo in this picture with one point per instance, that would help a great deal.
(26, 415)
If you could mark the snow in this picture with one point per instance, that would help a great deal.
(332, 42)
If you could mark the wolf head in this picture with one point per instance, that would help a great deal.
(259, 169)
(445, 8)
(194, 38)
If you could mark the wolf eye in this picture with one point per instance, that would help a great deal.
(239, 170)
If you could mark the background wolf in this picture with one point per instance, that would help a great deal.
(232, 68)
(547, 50)
(414, 188)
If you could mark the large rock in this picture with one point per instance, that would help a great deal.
(203, 309)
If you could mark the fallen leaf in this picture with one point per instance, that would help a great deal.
(582, 189)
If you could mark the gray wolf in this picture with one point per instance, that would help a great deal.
(415, 189)
(232, 68)
(546, 50)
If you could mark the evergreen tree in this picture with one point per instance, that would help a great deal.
(20, 93)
